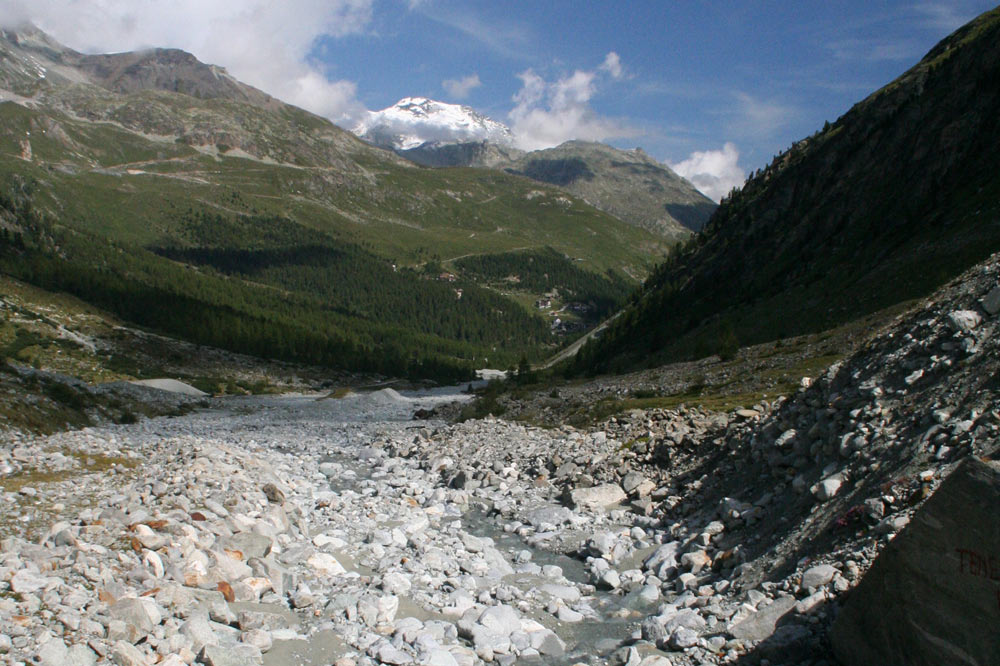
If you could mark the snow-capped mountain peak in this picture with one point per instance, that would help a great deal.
(414, 121)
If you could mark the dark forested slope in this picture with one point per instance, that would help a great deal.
(894, 198)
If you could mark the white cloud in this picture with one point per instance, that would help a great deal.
(942, 16)
(713, 172)
(266, 44)
(761, 118)
(547, 114)
(613, 65)
(858, 49)
(507, 38)
(460, 88)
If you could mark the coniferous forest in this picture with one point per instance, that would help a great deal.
(285, 292)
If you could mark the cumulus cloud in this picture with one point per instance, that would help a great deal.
(613, 65)
(713, 172)
(460, 88)
(266, 44)
(761, 118)
(942, 16)
(859, 49)
(548, 113)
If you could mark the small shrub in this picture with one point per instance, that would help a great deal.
(727, 344)
(65, 395)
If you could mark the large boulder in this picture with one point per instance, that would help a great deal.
(933, 595)
(597, 497)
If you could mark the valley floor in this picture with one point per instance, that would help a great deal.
(313, 530)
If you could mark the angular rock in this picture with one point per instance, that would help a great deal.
(141, 613)
(396, 583)
(761, 624)
(964, 320)
(501, 620)
(325, 564)
(248, 543)
(663, 558)
(53, 653)
(695, 561)
(827, 488)
(926, 598)
(26, 582)
(231, 655)
(126, 654)
(273, 494)
(597, 497)
(991, 301)
(683, 638)
(81, 655)
(199, 631)
(818, 576)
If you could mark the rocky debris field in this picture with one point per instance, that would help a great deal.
(43, 401)
(297, 530)
(756, 372)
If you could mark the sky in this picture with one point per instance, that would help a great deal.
(713, 89)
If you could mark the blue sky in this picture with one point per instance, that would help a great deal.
(710, 87)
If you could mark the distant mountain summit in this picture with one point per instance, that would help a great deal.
(29, 58)
(415, 121)
(628, 184)
(161, 93)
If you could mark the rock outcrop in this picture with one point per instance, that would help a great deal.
(933, 594)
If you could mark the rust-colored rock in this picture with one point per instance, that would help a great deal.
(227, 591)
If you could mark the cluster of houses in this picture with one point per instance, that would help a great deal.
(558, 325)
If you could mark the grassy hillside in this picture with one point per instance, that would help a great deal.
(103, 177)
(229, 218)
(627, 184)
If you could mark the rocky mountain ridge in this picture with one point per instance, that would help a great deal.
(167, 94)
(628, 184)
(35, 58)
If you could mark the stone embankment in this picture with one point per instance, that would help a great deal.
(295, 530)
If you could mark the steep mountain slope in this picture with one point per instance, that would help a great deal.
(467, 153)
(157, 175)
(897, 196)
(629, 184)
(625, 183)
